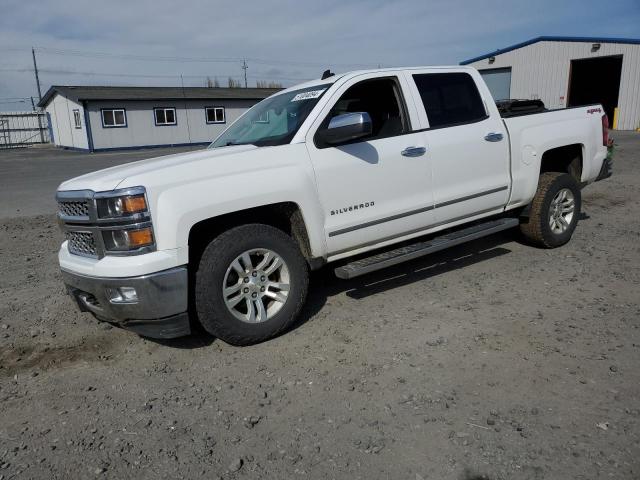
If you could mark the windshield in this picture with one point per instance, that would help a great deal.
(273, 121)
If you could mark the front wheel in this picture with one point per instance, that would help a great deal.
(554, 210)
(251, 284)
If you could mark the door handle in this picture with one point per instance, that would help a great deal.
(493, 137)
(413, 151)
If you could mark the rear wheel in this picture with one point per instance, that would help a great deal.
(554, 210)
(251, 284)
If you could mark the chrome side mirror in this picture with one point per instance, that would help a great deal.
(346, 127)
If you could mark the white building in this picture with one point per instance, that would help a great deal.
(105, 118)
(567, 72)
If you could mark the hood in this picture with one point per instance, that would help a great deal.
(114, 177)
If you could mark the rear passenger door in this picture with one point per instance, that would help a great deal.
(468, 147)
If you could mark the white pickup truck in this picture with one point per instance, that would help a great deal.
(335, 170)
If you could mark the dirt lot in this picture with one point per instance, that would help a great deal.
(493, 360)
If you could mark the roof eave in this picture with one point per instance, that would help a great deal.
(632, 41)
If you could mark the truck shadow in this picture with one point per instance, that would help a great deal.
(324, 284)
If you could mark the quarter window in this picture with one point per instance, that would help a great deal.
(215, 114)
(76, 118)
(114, 117)
(165, 116)
(450, 98)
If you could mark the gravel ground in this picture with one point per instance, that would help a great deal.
(492, 360)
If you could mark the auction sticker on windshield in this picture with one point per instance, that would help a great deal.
(307, 95)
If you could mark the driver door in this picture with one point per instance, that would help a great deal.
(375, 188)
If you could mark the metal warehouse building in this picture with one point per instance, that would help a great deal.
(104, 118)
(567, 72)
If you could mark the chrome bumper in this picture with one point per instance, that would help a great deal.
(158, 309)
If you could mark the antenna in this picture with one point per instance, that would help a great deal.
(326, 74)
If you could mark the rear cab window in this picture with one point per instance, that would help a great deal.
(450, 99)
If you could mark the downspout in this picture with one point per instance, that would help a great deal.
(87, 124)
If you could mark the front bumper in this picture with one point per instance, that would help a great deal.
(159, 309)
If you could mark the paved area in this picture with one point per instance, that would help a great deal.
(493, 360)
(30, 176)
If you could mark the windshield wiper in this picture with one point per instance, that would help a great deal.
(228, 144)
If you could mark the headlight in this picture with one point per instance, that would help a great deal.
(125, 240)
(122, 206)
(127, 221)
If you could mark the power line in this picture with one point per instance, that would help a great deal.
(142, 75)
(128, 56)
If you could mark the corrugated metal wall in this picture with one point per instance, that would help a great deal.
(541, 71)
(19, 129)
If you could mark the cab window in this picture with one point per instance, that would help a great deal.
(450, 98)
(381, 99)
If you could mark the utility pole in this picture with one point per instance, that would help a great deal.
(35, 68)
(244, 67)
(40, 129)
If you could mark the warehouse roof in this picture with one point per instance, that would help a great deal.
(155, 93)
(552, 39)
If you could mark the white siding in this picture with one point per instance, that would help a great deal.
(65, 134)
(541, 70)
(141, 129)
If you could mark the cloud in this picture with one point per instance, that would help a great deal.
(283, 40)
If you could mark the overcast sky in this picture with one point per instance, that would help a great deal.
(115, 42)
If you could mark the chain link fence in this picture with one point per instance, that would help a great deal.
(21, 129)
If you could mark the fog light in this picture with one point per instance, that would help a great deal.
(122, 295)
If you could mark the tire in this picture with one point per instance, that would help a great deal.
(215, 270)
(541, 229)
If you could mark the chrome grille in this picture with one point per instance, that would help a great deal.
(78, 208)
(82, 243)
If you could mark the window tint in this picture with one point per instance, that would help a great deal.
(380, 98)
(450, 98)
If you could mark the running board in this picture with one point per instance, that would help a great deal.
(420, 249)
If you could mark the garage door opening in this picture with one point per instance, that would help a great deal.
(499, 82)
(595, 80)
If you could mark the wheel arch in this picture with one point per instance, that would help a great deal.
(564, 159)
(285, 216)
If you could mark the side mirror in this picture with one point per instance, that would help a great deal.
(346, 127)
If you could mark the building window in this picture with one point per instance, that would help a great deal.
(263, 117)
(165, 116)
(215, 114)
(76, 118)
(450, 99)
(114, 117)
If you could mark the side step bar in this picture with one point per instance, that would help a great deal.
(420, 249)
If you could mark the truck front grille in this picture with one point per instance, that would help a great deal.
(78, 208)
(82, 243)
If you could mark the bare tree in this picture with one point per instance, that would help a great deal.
(233, 83)
(265, 84)
(213, 83)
